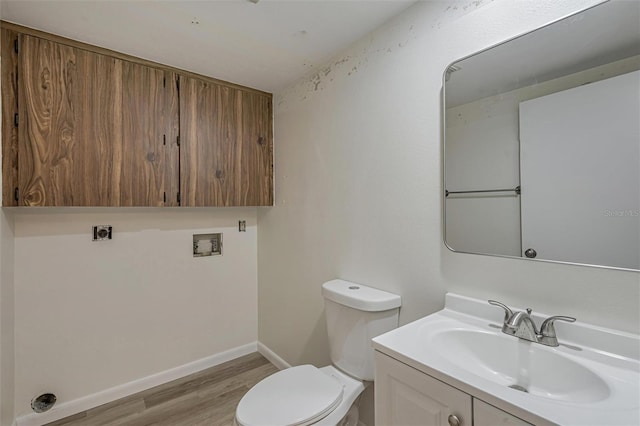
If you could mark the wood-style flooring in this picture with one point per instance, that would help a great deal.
(206, 398)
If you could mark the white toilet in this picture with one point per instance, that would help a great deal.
(306, 395)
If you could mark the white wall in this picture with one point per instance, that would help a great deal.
(7, 348)
(358, 187)
(93, 315)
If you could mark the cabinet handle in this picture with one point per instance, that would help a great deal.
(454, 420)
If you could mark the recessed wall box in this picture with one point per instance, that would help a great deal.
(207, 245)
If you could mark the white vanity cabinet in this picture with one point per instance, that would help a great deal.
(405, 396)
(488, 415)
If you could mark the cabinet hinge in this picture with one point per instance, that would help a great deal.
(164, 197)
(15, 119)
(178, 197)
(16, 194)
(178, 140)
(15, 45)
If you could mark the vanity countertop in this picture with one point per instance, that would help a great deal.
(592, 378)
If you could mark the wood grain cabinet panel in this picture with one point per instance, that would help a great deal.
(70, 140)
(226, 145)
(255, 174)
(96, 131)
(210, 115)
(149, 175)
(9, 114)
(97, 128)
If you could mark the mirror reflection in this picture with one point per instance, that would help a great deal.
(542, 143)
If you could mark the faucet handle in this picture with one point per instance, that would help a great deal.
(508, 313)
(548, 330)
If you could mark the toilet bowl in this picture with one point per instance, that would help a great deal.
(327, 396)
(303, 395)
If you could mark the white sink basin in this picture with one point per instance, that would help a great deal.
(521, 365)
(592, 378)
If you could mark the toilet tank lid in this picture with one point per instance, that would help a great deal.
(359, 296)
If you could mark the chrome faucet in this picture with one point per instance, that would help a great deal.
(520, 324)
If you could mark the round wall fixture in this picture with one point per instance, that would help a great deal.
(43, 403)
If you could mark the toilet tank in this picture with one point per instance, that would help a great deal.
(356, 314)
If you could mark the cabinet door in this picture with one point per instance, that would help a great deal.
(255, 185)
(70, 137)
(488, 415)
(210, 116)
(226, 146)
(406, 396)
(9, 114)
(95, 130)
(149, 175)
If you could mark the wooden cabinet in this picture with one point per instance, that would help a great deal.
(149, 174)
(93, 129)
(87, 127)
(255, 178)
(70, 139)
(210, 121)
(406, 396)
(9, 96)
(226, 146)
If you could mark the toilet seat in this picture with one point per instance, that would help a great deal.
(296, 396)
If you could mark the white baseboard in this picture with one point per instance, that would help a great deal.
(272, 357)
(79, 405)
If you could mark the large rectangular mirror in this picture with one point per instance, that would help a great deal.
(542, 143)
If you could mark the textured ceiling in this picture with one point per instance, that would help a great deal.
(267, 45)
